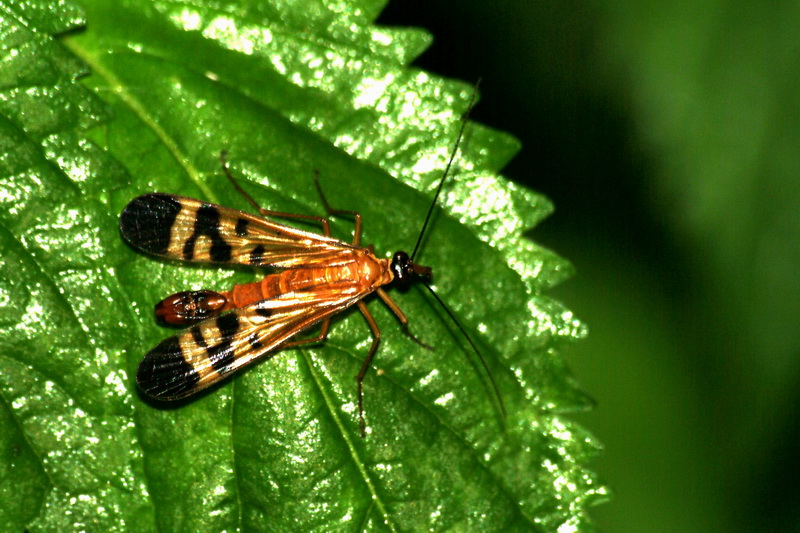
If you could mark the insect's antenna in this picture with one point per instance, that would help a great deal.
(447, 168)
(464, 332)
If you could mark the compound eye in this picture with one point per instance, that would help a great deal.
(401, 267)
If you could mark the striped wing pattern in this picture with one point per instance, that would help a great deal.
(186, 229)
(208, 352)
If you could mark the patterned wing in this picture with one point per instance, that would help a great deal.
(190, 230)
(208, 352)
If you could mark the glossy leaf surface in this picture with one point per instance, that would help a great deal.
(286, 88)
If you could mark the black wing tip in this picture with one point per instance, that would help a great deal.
(146, 221)
(164, 374)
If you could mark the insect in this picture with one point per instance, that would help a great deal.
(320, 276)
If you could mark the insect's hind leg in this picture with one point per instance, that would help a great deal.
(323, 334)
(267, 212)
(355, 214)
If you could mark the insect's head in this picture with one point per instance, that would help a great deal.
(405, 270)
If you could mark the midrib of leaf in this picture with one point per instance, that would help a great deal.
(357, 460)
(239, 506)
(473, 450)
(133, 103)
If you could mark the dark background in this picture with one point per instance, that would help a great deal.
(668, 137)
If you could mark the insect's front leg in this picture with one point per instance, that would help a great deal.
(323, 334)
(401, 316)
(376, 337)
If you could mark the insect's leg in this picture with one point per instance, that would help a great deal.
(376, 337)
(401, 316)
(266, 212)
(223, 161)
(355, 214)
(323, 334)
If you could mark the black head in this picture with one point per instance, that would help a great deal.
(405, 270)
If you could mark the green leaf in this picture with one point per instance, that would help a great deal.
(287, 88)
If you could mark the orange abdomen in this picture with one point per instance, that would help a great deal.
(288, 281)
